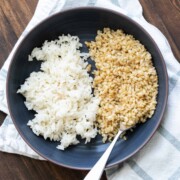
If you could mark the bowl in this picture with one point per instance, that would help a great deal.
(83, 22)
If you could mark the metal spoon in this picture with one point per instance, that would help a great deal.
(97, 170)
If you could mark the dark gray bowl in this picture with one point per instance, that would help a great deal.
(83, 22)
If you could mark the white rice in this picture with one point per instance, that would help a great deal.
(61, 93)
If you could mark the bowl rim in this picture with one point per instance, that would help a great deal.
(163, 67)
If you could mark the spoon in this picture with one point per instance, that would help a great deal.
(97, 170)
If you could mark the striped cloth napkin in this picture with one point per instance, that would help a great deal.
(160, 158)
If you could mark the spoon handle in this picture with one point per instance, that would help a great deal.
(97, 170)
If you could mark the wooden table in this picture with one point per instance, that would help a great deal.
(14, 16)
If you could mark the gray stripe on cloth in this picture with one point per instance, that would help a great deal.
(72, 4)
(92, 2)
(1, 94)
(24, 33)
(169, 137)
(115, 2)
(173, 80)
(111, 171)
(176, 175)
(138, 170)
(53, 8)
(3, 73)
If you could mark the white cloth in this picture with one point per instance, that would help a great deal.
(160, 158)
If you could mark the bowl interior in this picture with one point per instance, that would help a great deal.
(83, 22)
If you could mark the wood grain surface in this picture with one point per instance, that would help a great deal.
(14, 16)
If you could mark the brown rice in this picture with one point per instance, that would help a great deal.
(125, 81)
